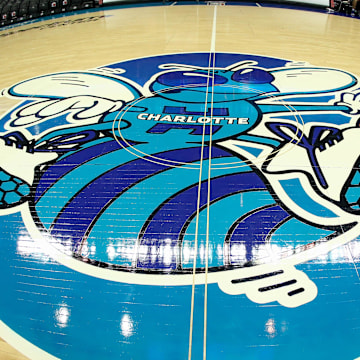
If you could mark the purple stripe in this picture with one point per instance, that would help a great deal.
(254, 229)
(62, 167)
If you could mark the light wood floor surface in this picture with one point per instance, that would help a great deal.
(86, 41)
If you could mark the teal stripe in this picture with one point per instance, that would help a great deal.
(294, 233)
(296, 192)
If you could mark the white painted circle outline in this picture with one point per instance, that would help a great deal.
(139, 154)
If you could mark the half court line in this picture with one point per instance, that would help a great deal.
(211, 66)
(212, 55)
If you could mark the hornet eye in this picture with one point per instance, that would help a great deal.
(252, 76)
(181, 78)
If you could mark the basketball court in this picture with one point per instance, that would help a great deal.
(180, 181)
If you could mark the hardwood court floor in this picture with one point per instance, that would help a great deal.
(107, 36)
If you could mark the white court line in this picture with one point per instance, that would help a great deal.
(210, 68)
(191, 327)
(208, 209)
(213, 31)
(23, 345)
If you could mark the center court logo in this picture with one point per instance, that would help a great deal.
(240, 171)
(192, 120)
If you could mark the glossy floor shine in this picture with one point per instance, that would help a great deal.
(235, 239)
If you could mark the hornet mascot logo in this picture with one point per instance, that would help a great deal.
(120, 178)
